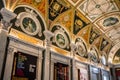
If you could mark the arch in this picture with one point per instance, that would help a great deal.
(81, 47)
(112, 52)
(59, 30)
(93, 52)
(39, 13)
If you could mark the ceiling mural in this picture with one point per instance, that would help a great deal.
(96, 8)
(79, 22)
(57, 7)
(97, 42)
(65, 19)
(109, 21)
(94, 34)
(104, 43)
(40, 5)
(97, 22)
(84, 33)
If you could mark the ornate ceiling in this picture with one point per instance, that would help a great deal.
(95, 22)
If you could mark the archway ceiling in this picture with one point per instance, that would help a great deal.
(96, 21)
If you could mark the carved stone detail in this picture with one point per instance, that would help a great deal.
(7, 17)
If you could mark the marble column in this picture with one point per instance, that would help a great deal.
(46, 72)
(4, 26)
(9, 63)
(3, 43)
(73, 52)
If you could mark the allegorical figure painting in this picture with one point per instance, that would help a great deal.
(29, 25)
(110, 21)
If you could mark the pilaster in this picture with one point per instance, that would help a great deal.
(73, 52)
(4, 26)
(48, 36)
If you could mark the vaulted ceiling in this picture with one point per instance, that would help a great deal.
(96, 22)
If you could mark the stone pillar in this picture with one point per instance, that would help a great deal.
(46, 71)
(39, 63)
(5, 24)
(3, 43)
(73, 52)
(9, 63)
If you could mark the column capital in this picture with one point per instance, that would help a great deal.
(73, 47)
(48, 34)
(7, 17)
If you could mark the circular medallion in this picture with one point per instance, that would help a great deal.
(81, 48)
(94, 56)
(61, 39)
(29, 23)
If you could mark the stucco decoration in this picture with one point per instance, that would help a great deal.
(81, 47)
(95, 8)
(29, 21)
(93, 55)
(61, 38)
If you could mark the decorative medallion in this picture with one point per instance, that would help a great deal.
(29, 21)
(93, 55)
(61, 38)
(81, 48)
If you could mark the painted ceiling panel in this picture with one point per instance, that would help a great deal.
(97, 42)
(96, 8)
(56, 7)
(108, 21)
(40, 5)
(79, 22)
(94, 34)
(65, 19)
(104, 43)
(85, 33)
